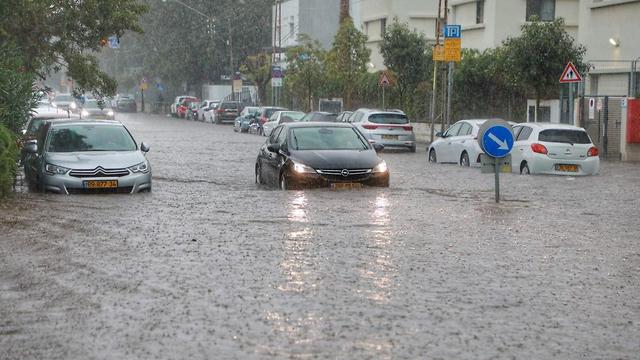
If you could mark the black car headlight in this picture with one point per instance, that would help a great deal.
(381, 168)
(55, 169)
(143, 168)
(302, 168)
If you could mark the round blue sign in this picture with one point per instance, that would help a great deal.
(497, 141)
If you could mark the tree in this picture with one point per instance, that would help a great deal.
(257, 69)
(404, 52)
(304, 79)
(52, 35)
(538, 56)
(346, 62)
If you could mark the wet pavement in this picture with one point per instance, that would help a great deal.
(211, 266)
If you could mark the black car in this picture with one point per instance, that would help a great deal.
(334, 155)
(320, 116)
(126, 105)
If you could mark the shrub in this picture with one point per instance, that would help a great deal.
(8, 159)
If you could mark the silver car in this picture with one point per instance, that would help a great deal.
(90, 156)
(390, 128)
(91, 109)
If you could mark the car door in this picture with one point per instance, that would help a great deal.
(446, 150)
(271, 158)
(459, 141)
(522, 134)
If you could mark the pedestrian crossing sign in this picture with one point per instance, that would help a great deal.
(570, 74)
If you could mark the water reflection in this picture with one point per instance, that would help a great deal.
(297, 262)
(297, 211)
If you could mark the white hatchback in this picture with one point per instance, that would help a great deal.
(459, 144)
(555, 149)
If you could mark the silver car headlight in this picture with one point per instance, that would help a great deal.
(55, 169)
(73, 106)
(303, 169)
(110, 113)
(381, 168)
(143, 168)
(84, 113)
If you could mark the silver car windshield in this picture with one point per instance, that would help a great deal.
(90, 137)
(327, 138)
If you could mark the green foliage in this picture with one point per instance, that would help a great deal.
(537, 57)
(305, 80)
(53, 35)
(8, 159)
(257, 69)
(405, 54)
(346, 62)
(17, 97)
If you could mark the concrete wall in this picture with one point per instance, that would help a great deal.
(320, 19)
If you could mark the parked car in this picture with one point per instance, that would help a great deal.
(205, 106)
(227, 112)
(320, 116)
(89, 156)
(65, 102)
(174, 105)
(264, 113)
(126, 104)
(334, 155)
(42, 113)
(92, 109)
(192, 110)
(280, 117)
(243, 122)
(210, 114)
(458, 144)
(255, 128)
(184, 106)
(554, 149)
(343, 116)
(389, 128)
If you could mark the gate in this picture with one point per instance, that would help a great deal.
(601, 116)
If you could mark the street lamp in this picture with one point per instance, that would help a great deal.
(614, 42)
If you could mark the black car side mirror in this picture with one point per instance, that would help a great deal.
(31, 147)
(378, 147)
(273, 147)
(144, 147)
(440, 134)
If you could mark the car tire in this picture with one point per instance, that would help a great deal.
(432, 157)
(284, 183)
(259, 179)
(412, 149)
(464, 159)
(524, 169)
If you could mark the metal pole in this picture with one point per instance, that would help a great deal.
(444, 98)
(497, 178)
(571, 105)
(383, 104)
(449, 92)
(435, 73)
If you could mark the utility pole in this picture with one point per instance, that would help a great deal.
(435, 73)
(445, 94)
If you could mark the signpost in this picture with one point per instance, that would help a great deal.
(569, 76)
(452, 43)
(276, 82)
(384, 82)
(144, 85)
(236, 85)
(495, 138)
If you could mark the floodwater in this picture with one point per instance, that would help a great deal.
(210, 265)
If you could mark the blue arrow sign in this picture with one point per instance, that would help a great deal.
(114, 42)
(497, 141)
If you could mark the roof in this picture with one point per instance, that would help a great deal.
(546, 125)
(65, 121)
(294, 125)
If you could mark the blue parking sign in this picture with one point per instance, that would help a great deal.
(452, 31)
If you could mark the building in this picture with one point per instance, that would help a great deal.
(319, 19)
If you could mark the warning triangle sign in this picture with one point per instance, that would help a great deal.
(384, 80)
(570, 74)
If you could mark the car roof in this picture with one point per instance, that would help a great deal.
(547, 125)
(65, 121)
(317, 124)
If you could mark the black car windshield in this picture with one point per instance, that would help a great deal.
(327, 138)
(90, 137)
(388, 119)
(91, 104)
(564, 136)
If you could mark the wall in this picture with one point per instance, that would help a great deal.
(320, 19)
(290, 13)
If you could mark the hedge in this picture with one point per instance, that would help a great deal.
(8, 159)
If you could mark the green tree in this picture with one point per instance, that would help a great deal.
(346, 62)
(538, 56)
(257, 68)
(17, 96)
(52, 35)
(304, 79)
(404, 52)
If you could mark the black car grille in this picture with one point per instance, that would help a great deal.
(120, 190)
(345, 175)
(99, 172)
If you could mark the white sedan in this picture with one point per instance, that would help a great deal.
(555, 149)
(280, 117)
(458, 144)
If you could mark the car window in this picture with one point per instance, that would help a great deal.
(327, 138)
(90, 137)
(356, 117)
(274, 116)
(388, 118)
(524, 133)
(564, 136)
(453, 130)
(465, 129)
(274, 134)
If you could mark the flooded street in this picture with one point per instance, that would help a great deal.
(210, 263)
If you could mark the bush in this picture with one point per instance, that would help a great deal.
(8, 159)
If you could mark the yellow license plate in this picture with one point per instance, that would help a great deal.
(345, 186)
(101, 184)
(567, 168)
(390, 137)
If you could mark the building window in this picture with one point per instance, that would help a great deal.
(544, 10)
(480, 12)
(383, 26)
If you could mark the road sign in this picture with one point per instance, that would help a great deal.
(438, 52)
(570, 74)
(452, 49)
(488, 164)
(599, 104)
(384, 79)
(592, 108)
(276, 82)
(496, 138)
(276, 76)
(114, 42)
(144, 83)
(452, 31)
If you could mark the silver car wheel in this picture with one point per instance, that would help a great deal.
(524, 170)
(464, 160)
